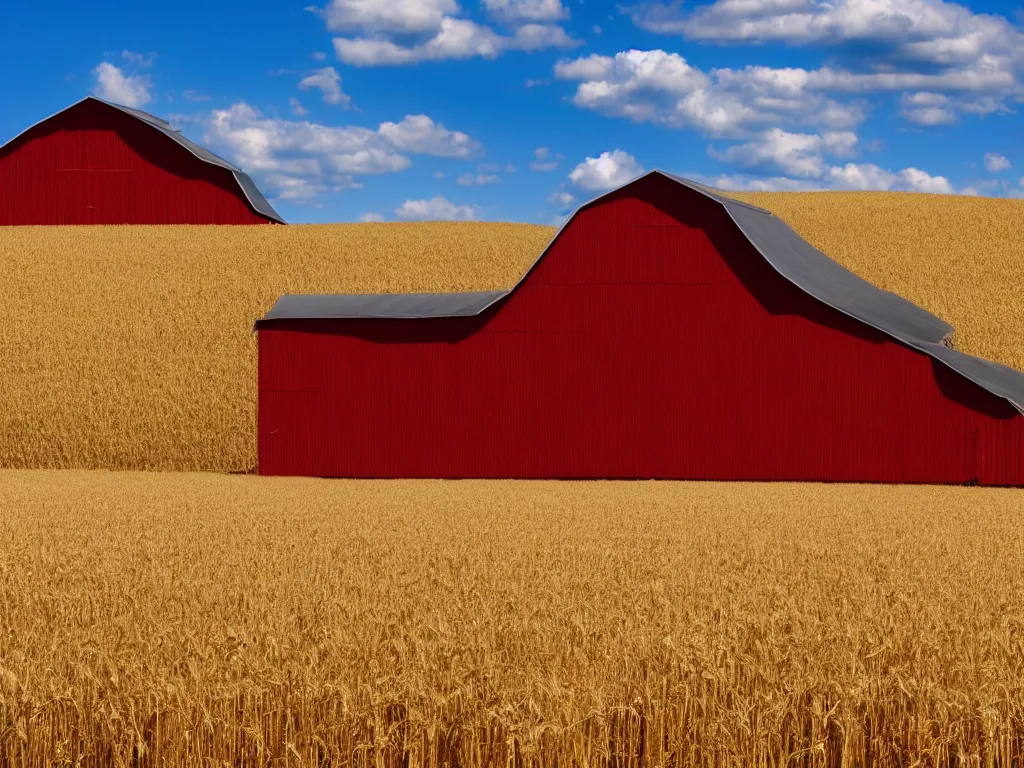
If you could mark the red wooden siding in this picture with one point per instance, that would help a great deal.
(652, 341)
(93, 164)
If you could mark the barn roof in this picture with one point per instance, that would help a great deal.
(788, 253)
(249, 189)
(408, 306)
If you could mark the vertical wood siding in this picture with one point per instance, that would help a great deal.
(93, 164)
(651, 342)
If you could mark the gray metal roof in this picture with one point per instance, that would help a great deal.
(252, 194)
(789, 254)
(385, 305)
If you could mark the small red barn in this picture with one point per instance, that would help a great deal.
(665, 332)
(101, 163)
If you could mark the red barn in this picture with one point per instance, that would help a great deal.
(665, 332)
(102, 163)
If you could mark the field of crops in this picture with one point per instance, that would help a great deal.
(131, 347)
(165, 619)
(202, 619)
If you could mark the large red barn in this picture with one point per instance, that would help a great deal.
(666, 332)
(101, 163)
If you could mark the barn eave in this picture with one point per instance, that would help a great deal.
(380, 306)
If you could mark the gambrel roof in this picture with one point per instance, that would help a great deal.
(789, 254)
(249, 190)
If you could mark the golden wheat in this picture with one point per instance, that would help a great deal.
(130, 347)
(192, 620)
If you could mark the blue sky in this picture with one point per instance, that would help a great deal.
(517, 110)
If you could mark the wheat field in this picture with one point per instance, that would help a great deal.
(131, 347)
(208, 620)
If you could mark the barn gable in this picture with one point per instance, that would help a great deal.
(701, 212)
(100, 162)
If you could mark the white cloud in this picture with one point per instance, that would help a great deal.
(923, 45)
(562, 198)
(925, 108)
(436, 209)
(178, 120)
(919, 181)
(930, 116)
(114, 85)
(293, 187)
(526, 10)
(870, 177)
(802, 158)
(388, 16)
(986, 185)
(537, 37)
(371, 217)
(371, 160)
(456, 39)
(607, 171)
(297, 109)
(325, 157)
(796, 154)
(438, 174)
(543, 162)
(480, 179)
(980, 77)
(635, 70)
(863, 177)
(190, 95)
(420, 134)
(663, 88)
(329, 82)
(924, 99)
(510, 168)
(592, 67)
(318, 56)
(740, 183)
(363, 52)
(138, 59)
(985, 105)
(438, 33)
(272, 144)
(934, 31)
(840, 143)
(994, 162)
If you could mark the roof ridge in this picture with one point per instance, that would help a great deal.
(712, 192)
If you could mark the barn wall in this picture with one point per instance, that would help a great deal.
(651, 342)
(93, 164)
